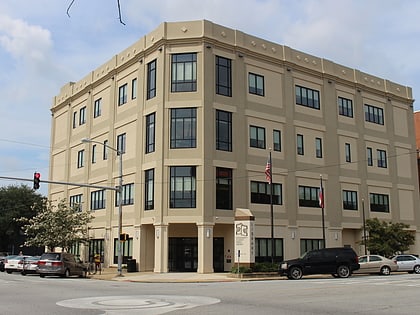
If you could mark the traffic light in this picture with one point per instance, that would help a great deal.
(37, 179)
(123, 237)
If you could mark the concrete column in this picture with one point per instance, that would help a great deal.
(205, 248)
(161, 248)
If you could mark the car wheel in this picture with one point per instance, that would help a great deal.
(385, 270)
(416, 269)
(66, 273)
(295, 273)
(9, 271)
(343, 271)
(42, 276)
(83, 274)
(23, 273)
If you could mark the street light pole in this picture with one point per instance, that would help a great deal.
(120, 196)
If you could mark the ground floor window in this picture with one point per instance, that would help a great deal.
(96, 247)
(127, 250)
(75, 250)
(310, 244)
(263, 250)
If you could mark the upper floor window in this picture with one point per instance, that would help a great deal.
(349, 200)
(97, 199)
(299, 144)
(105, 152)
(345, 107)
(82, 116)
(374, 114)
(309, 196)
(121, 143)
(382, 159)
(307, 97)
(80, 158)
(151, 79)
(149, 188)
(348, 152)
(277, 140)
(127, 195)
(223, 76)
(122, 94)
(379, 202)
(260, 193)
(150, 133)
(183, 128)
(318, 147)
(256, 84)
(184, 72)
(182, 187)
(224, 189)
(74, 119)
(369, 156)
(97, 108)
(257, 137)
(93, 153)
(134, 88)
(223, 130)
(76, 202)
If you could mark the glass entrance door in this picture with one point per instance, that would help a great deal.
(183, 254)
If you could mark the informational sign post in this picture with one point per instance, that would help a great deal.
(244, 238)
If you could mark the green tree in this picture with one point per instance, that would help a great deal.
(56, 226)
(387, 238)
(16, 202)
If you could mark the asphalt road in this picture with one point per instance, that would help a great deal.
(395, 294)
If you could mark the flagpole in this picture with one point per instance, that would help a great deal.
(271, 210)
(321, 203)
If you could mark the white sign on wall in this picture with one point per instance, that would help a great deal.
(244, 241)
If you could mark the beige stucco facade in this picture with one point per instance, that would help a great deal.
(153, 231)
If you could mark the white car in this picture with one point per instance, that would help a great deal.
(408, 263)
(12, 264)
(376, 264)
(29, 265)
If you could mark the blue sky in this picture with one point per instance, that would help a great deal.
(41, 49)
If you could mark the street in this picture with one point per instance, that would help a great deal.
(360, 294)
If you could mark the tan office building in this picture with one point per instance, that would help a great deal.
(196, 108)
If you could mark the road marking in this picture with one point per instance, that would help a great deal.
(139, 304)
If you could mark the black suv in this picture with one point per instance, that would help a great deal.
(339, 262)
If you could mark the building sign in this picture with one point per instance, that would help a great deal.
(244, 237)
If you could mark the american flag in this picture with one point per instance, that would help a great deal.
(268, 170)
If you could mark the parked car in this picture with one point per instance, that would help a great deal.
(61, 264)
(407, 262)
(11, 263)
(339, 262)
(376, 264)
(29, 265)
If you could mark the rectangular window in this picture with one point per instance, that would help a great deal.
(105, 152)
(96, 246)
(122, 94)
(260, 193)
(345, 107)
(379, 202)
(74, 119)
(309, 197)
(151, 79)
(93, 153)
(80, 158)
(299, 145)
(382, 158)
(127, 250)
(374, 114)
(127, 195)
(257, 137)
(223, 76)
(183, 128)
(97, 199)
(121, 143)
(149, 189)
(310, 244)
(82, 116)
(369, 156)
(263, 249)
(223, 131)
(150, 133)
(348, 152)
(134, 88)
(76, 202)
(256, 84)
(182, 187)
(224, 189)
(184, 72)
(318, 147)
(97, 108)
(277, 140)
(349, 200)
(307, 97)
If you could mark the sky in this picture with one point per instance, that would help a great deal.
(42, 48)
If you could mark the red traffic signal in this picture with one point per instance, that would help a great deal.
(37, 180)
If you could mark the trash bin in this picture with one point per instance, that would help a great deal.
(131, 265)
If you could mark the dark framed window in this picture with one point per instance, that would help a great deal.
(97, 108)
(223, 76)
(299, 144)
(134, 88)
(379, 202)
(318, 147)
(345, 107)
(382, 161)
(121, 143)
(277, 140)
(257, 137)
(350, 200)
(82, 116)
(105, 152)
(310, 244)
(127, 250)
(97, 199)
(223, 130)
(307, 97)
(309, 196)
(76, 201)
(127, 195)
(93, 153)
(183, 128)
(347, 149)
(74, 119)
(263, 249)
(151, 79)
(182, 187)
(224, 188)
(122, 94)
(256, 84)
(369, 154)
(96, 246)
(149, 189)
(150, 132)
(184, 72)
(80, 158)
(374, 114)
(260, 193)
